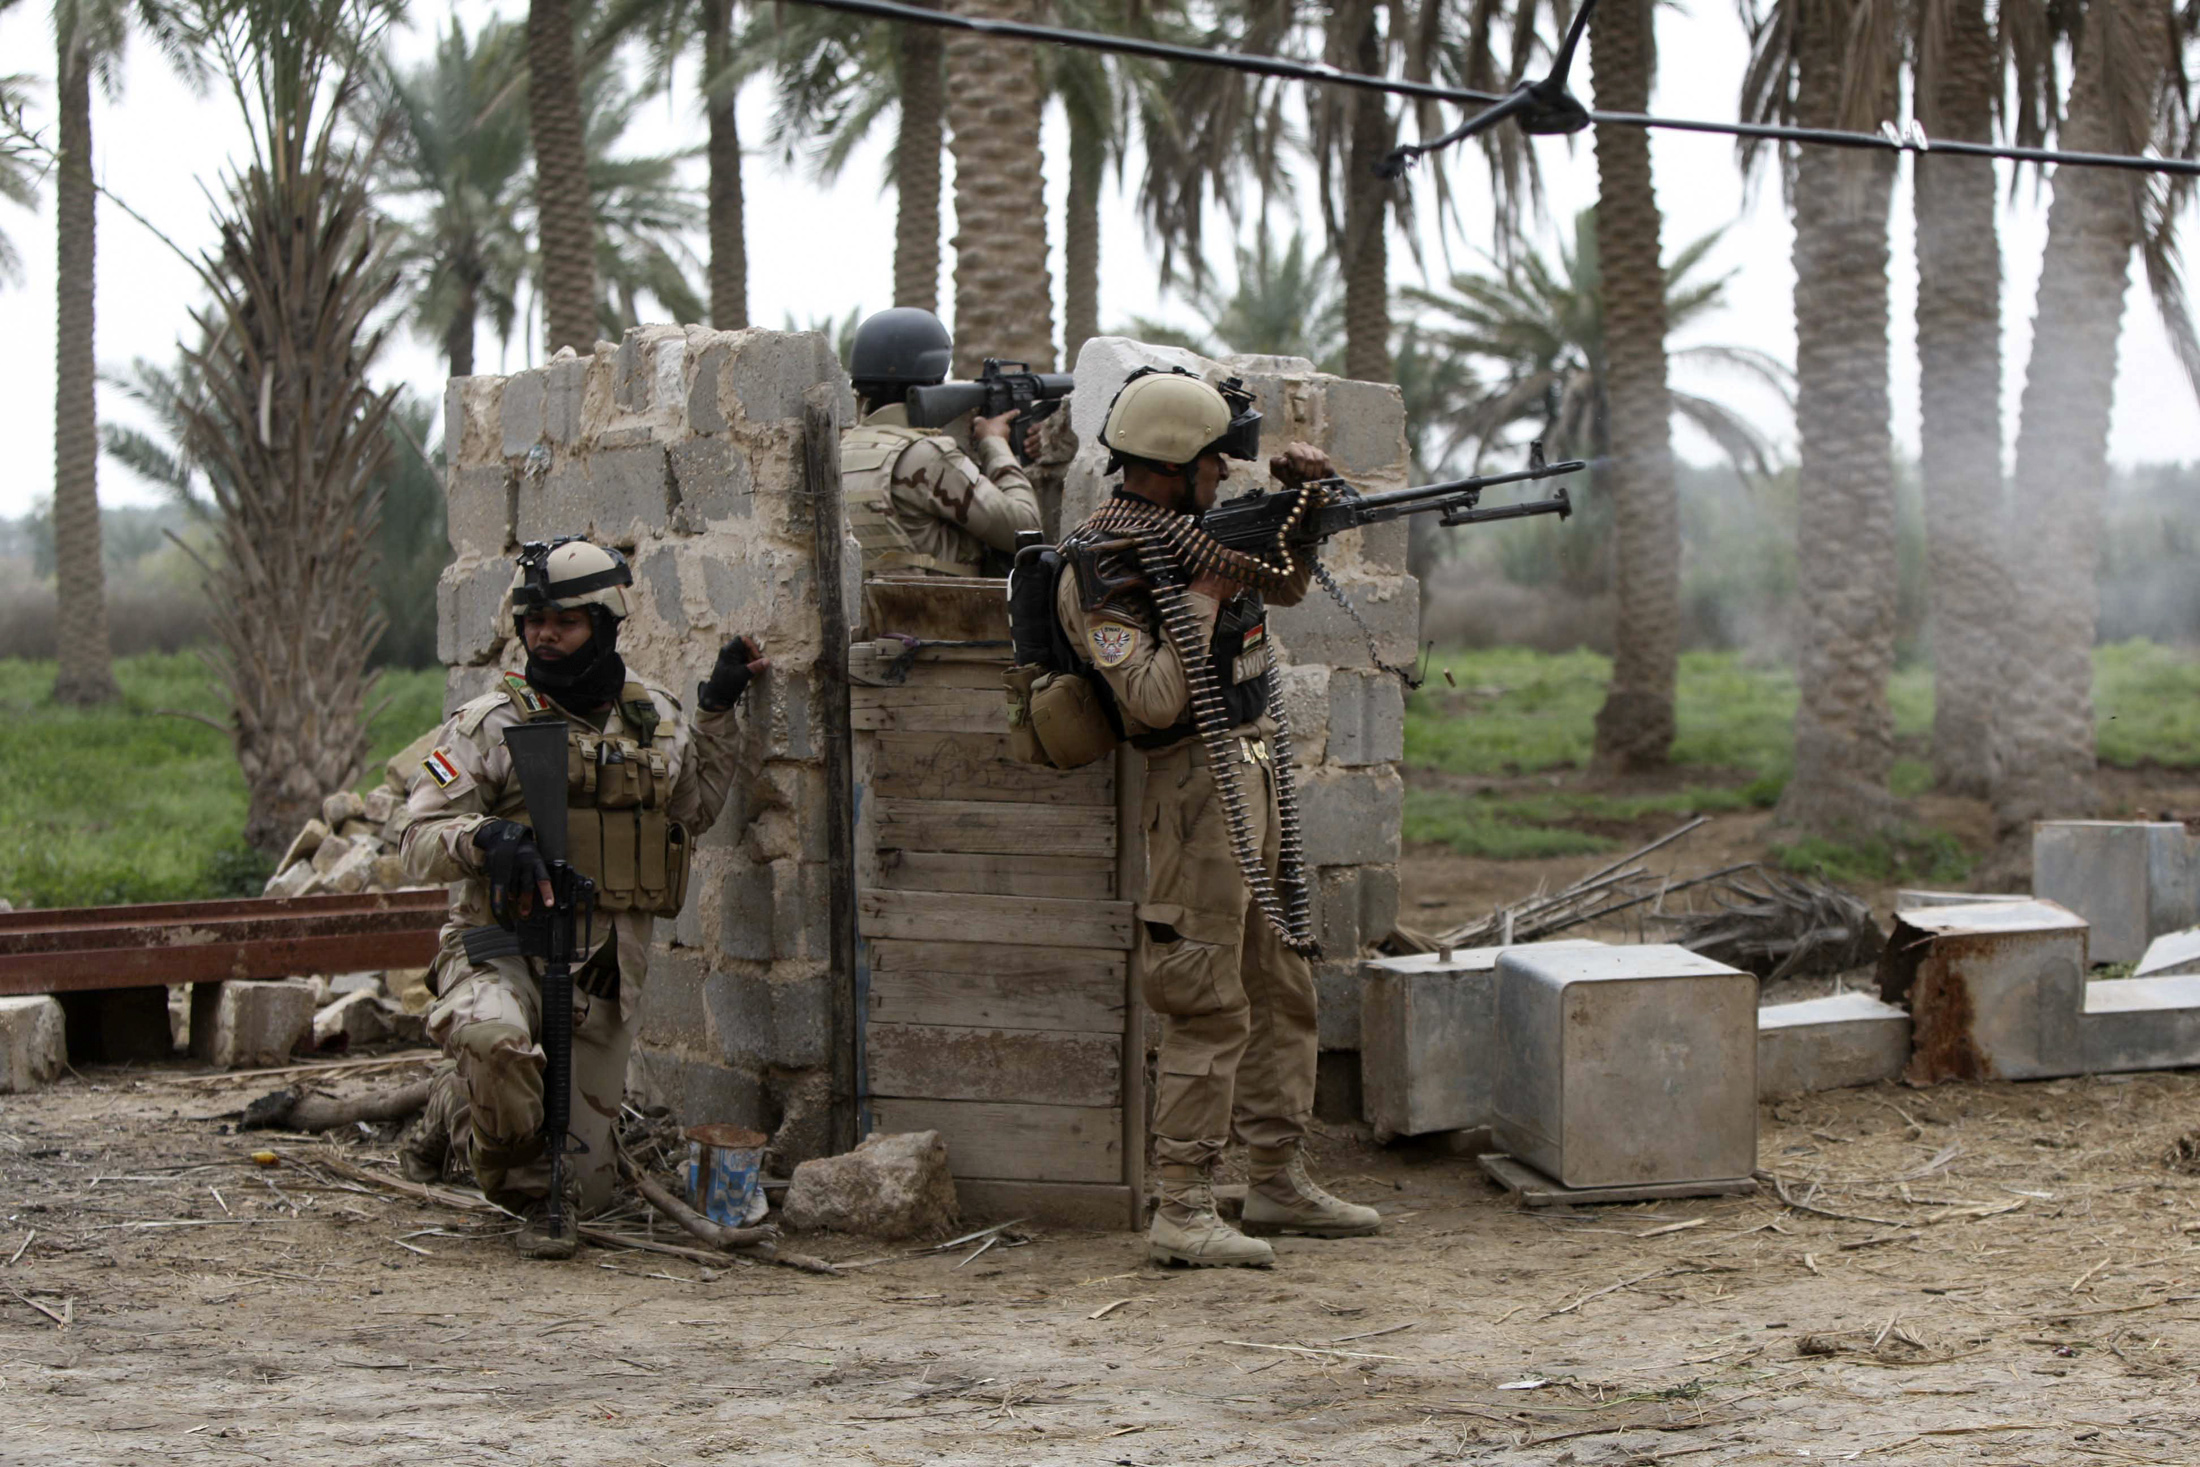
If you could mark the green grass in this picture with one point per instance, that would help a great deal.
(2146, 703)
(125, 804)
(1928, 857)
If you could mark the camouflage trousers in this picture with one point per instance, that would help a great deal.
(1238, 1042)
(486, 1021)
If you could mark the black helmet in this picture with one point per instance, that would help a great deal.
(902, 347)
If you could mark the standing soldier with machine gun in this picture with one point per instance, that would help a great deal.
(915, 500)
(641, 782)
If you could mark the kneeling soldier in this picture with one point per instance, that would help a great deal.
(645, 782)
(1175, 626)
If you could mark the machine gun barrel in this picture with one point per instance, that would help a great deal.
(1370, 508)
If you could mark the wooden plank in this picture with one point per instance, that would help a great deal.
(995, 986)
(1037, 1066)
(1034, 1143)
(1038, 876)
(1099, 1206)
(880, 665)
(933, 916)
(966, 766)
(929, 710)
(1536, 1190)
(821, 477)
(1130, 884)
(997, 826)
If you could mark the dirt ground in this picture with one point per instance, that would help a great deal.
(2011, 1279)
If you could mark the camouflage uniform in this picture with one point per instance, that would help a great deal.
(916, 502)
(485, 1016)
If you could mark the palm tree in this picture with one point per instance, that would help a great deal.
(1283, 304)
(1830, 63)
(2126, 92)
(89, 36)
(644, 213)
(18, 165)
(458, 151)
(564, 219)
(1004, 297)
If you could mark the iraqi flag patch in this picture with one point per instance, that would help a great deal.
(442, 770)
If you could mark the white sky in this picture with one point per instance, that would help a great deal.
(817, 252)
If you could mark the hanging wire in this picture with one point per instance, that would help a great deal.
(1541, 107)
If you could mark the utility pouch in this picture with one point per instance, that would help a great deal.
(1056, 719)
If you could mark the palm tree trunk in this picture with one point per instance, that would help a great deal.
(1844, 729)
(1004, 295)
(917, 169)
(729, 253)
(86, 672)
(1959, 355)
(2044, 749)
(565, 216)
(458, 335)
(1366, 260)
(1081, 237)
(1635, 725)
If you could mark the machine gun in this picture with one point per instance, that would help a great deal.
(1029, 395)
(1265, 520)
(525, 929)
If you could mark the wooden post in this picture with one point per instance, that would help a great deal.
(821, 477)
(1130, 886)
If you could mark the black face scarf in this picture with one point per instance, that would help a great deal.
(587, 679)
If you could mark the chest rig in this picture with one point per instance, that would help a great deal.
(618, 791)
(868, 453)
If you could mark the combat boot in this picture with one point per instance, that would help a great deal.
(1187, 1230)
(534, 1239)
(1284, 1199)
(424, 1150)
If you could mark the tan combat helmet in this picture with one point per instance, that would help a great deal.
(568, 574)
(1172, 417)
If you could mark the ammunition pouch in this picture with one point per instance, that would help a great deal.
(1057, 719)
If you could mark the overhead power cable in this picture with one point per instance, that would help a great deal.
(1541, 107)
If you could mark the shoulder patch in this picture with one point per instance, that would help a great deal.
(442, 770)
(1112, 642)
(523, 694)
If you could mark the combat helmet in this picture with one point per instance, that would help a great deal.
(569, 573)
(903, 347)
(1169, 416)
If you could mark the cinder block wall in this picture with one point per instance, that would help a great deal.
(1347, 717)
(683, 447)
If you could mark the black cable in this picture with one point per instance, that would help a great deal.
(1543, 106)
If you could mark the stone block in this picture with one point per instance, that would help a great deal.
(1367, 427)
(1351, 817)
(34, 1046)
(1625, 1066)
(329, 852)
(1337, 992)
(1994, 990)
(1830, 1043)
(804, 1099)
(2171, 954)
(2131, 880)
(894, 1186)
(351, 1021)
(461, 685)
(697, 1091)
(1319, 630)
(340, 807)
(471, 408)
(710, 483)
(648, 369)
(341, 984)
(249, 1023)
(672, 1010)
(363, 831)
(1428, 1040)
(409, 987)
(299, 879)
(774, 910)
(304, 844)
(477, 510)
(617, 496)
(522, 420)
(381, 802)
(565, 404)
(1367, 717)
(1355, 907)
(706, 414)
(2141, 1024)
(471, 623)
(1305, 692)
(1105, 362)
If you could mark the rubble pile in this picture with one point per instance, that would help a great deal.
(351, 847)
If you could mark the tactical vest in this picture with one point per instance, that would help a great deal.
(868, 453)
(618, 788)
(1242, 662)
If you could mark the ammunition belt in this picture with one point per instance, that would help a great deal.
(1192, 549)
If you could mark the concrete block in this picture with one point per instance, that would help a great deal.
(477, 510)
(2141, 1024)
(2171, 954)
(1830, 1043)
(1367, 717)
(565, 405)
(471, 624)
(34, 1046)
(1428, 1040)
(351, 1021)
(471, 407)
(647, 371)
(1351, 817)
(1319, 630)
(1355, 907)
(303, 844)
(768, 372)
(672, 1009)
(249, 1024)
(1337, 994)
(1908, 897)
(1105, 362)
(698, 1091)
(342, 807)
(330, 851)
(1624, 1066)
(711, 482)
(522, 421)
(706, 414)
(1305, 690)
(461, 685)
(2131, 880)
(616, 496)
(341, 984)
(1994, 989)
(774, 910)
(296, 880)
(1367, 427)
(381, 803)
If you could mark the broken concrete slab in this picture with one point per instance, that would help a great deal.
(351, 1021)
(1428, 1040)
(242, 1024)
(1994, 990)
(1830, 1043)
(2141, 1024)
(890, 1186)
(2171, 954)
(34, 1047)
(1907, 897)
(1626, 1066)
(2132, 880)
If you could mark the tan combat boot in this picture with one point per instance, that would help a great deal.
(1186, 1229)
(1284, 1199)
(534, 1239)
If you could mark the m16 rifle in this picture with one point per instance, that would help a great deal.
(1266, 521)
(554, 934)
(1029, 395)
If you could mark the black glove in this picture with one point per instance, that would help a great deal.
(729, 679)
(512, 860)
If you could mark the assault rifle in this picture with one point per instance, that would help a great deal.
(1029, 395)
(1256, 522)
(526, 929)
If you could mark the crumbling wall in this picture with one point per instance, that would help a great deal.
(683, 447)
(1347, 716)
